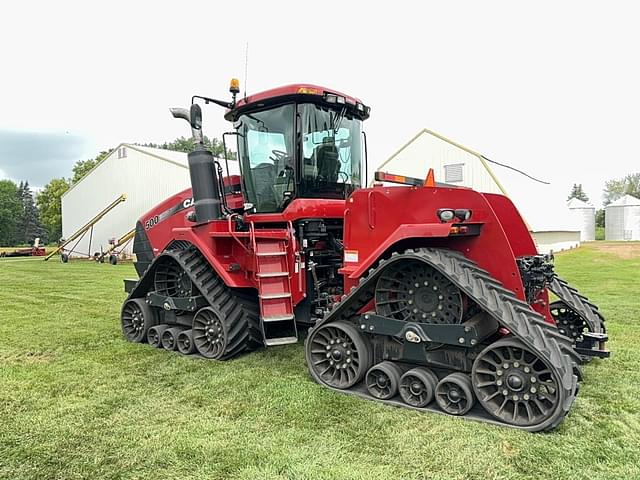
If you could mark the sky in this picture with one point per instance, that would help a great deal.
(548, 87)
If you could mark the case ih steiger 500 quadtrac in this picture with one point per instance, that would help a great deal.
(422, 295)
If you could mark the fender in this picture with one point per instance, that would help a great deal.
(235, 279)
(403, 232)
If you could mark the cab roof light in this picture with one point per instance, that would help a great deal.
(391, 178)
(234, 86)
(333, 98)
(308, 91)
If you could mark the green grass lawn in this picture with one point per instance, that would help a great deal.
(77, 401)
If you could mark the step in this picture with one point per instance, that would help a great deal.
(273, 274)
(270, 254)
(269, 342)
(274, 296)
(279, 318)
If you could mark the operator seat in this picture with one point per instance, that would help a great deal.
(264, 176)
(327, 160)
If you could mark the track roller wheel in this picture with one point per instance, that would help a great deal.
(185, 342)
(418, 387)
(337, 354)
(516, 386)
(136, 318)
(154, 335)
(383, 380)
(170, 338)
(454, 394)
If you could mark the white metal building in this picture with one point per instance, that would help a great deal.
(145, 175)
(550, 221)
(584, 215)
(622, 219)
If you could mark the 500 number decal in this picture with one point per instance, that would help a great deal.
(151, 222)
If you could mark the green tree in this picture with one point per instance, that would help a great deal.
(615, 189)
(29, 226)
(10, 211)
(49, 201)
(600, 218)
(82, 167)
(578, 192)
(187, 145)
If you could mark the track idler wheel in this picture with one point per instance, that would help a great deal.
(454, 394)
(383, 380)
(185, 342)
(209, 333)
(154, 335)
(136, 318)
(170, 338)
(516, 386)
(338, 355)
(418, 387)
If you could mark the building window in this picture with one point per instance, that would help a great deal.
(122, 152)
(453, 173)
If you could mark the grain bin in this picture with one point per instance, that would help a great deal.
(584, 216)
(622, 219)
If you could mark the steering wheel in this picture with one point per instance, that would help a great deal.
(278, 155)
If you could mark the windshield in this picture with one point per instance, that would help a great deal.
(267, 153)
(331, 152)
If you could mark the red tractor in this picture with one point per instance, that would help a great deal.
(423, 295)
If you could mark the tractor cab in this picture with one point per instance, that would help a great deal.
(298, 141)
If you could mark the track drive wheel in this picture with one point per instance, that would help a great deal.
(154, 335)
(136, 318)
(337, 354)
(516, 386)
(569, 323)
(454, 394)
(383, 380)
(418, 387)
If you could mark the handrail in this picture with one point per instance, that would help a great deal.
(231, 232)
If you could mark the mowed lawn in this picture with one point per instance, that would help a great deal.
(77, 401)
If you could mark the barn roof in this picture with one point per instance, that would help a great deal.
(542, 207)
(176, 158)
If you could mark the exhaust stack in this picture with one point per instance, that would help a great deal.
(204, 178)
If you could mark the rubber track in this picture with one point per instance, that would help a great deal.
(512, 313)
(579, 304)
(239, 310)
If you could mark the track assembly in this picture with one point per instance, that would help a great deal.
(525, 380)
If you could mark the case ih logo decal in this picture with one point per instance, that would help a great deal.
(156, 219)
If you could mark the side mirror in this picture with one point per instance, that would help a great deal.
(194, 117)
(195, 114)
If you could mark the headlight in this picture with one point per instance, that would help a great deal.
(446, 214)
(463, 214)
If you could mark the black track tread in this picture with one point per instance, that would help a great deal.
(239, 308)
(502, 304)
(579, 304)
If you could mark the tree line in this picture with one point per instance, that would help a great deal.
(25, 216)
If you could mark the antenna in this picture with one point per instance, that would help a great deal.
(246, 68)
